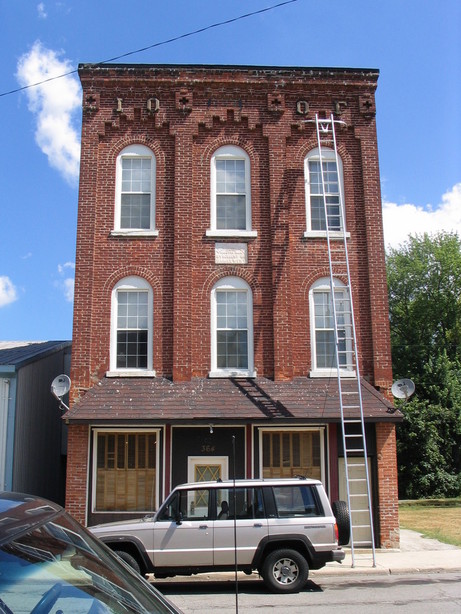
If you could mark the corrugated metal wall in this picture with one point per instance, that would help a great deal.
(4, 390)
(39, 464)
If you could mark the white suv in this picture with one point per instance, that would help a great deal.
(279, 527)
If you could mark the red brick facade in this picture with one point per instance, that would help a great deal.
(263, 111)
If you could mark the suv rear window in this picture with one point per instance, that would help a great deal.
(296, 501)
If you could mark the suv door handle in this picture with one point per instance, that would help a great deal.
(203, 526)
(258, 525)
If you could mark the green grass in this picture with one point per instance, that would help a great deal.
(436, 518)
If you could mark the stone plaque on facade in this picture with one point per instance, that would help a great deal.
(231, 253)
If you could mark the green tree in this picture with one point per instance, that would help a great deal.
(424, 279)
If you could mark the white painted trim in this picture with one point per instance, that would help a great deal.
(131, 373)
(322, 234)
(238, 284)
(229, 152)
(94, 466)
(134, 233)
(232, 234)
(135, 284)
(134, 151)
(323, 285)
(328, 155)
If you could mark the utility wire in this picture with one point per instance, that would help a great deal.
(165, 42)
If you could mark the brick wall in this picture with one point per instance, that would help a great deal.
(77, 470)
(228, 107)
(388, 497)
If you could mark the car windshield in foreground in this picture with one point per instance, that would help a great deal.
(58, 568)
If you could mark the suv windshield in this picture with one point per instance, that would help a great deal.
(58, 567)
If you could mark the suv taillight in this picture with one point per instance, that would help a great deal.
(336, 533)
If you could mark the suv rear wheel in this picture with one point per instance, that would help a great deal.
(285, 571)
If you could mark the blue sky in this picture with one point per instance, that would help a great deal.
(416, 45)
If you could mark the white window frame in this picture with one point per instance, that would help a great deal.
(239, 285)
(323, 285)
(134, 151)
(94, 468)
(131, 284)
(328, 155)
(230, 152)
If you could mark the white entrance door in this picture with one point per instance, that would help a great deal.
(207, 468)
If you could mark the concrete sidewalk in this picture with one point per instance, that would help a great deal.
(416, 554)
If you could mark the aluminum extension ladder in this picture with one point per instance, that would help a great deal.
(350, 396)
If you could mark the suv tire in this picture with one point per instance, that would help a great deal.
(343, 521)
(285, 571)
(129, 560)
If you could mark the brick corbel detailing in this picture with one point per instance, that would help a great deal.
(388, 497)
(77, 471)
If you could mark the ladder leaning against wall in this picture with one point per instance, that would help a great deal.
(357, 476)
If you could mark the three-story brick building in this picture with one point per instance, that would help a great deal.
(201, 318)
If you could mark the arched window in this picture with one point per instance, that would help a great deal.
(231, 329)
(316, 224)
(131, 327)
(135, 191)
(323, 328)
(230, 193)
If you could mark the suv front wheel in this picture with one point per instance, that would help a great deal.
(285, 571)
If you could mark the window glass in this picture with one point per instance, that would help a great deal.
(136, 193)
(325, 329)
(331, 183)
(132, 329)
(230, 190)
(290, 453)
(232, 329)
(230, 194)
(323, 195)
(296, 501)
(246, 501)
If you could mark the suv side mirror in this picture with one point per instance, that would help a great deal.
(178, 518)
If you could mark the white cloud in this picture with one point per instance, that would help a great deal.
(41, 11)
(54, 105)
(67, 284)
(66, 265)
(8, 293)
(400, 221)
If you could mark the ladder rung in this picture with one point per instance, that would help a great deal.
(357, 480)
(363, 543)
(355, 450)
(358, 494)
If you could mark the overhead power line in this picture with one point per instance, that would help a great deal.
(159, 44)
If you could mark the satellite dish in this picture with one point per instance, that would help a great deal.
(60, 386)
(403, 388)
